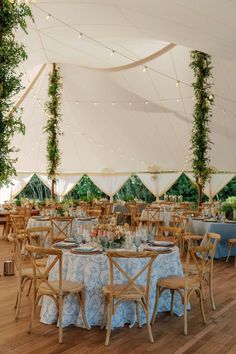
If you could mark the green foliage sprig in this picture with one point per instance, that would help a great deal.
(52, 127)
(200, 140)
(12, 53)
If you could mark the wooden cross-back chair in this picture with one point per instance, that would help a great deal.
(128, 291)
(56, 290)
(22, 273)
(153, 217)
(186, 285)
(40, 236)
(176, 220)
(97, 213)
(61, 227)
(212, 240)
(170, 233)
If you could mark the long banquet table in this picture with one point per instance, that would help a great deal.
(92, 270)
(227, 230)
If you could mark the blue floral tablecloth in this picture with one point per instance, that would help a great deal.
(92, 270)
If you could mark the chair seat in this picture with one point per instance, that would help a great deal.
(193, 237)
(177, 282)
(130, 293)
(232, 240)
(67, 287)
(41, 262)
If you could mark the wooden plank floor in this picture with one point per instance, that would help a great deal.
(217, 337)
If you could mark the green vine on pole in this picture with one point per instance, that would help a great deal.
(52, 127)
(200, 140)
(12, 17)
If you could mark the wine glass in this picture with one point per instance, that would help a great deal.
(137, 242)
(79, 239)
(103, 240)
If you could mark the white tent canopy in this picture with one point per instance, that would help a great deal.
(127, 119)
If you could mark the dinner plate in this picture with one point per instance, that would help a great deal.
(64, 244)
(86, 249)
(210, 220)
(159, 249)
(161, 244)
(69, 240)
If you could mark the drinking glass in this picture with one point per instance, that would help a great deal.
(79, 239)
(137, 242)
(103, 240)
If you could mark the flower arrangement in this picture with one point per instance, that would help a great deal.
(114, 235)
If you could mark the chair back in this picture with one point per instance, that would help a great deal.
(131, 280)
(18, 223)
(17, 242)
(170, 232)
(40, 235)
(201, 266)
(176, 220)
(61, 226)
(152, 215)
(41, 273)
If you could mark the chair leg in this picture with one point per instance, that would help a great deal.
(34, 304)
(82, 305)
(146, 310)
(138, 314)
(60, 302)
(17, 295)
(18, 303)
(202, 306)
(104, 312)
(172, 302)
(229, 249)
(155, 306)
(30, 285)
(109, 321)
(211, 291)
(185, 314)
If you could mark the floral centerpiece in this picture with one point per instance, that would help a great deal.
(113, 235)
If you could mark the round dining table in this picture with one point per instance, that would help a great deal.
(92, 271)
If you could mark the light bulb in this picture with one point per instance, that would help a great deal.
(144, 69)
(146, 102)
(81, 35)
(112, 52)
(177, 83)
(48, 16)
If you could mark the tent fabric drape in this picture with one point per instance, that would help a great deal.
(158, 184)
(109, 184)
(216, 183)
(18, 183)
(64, 183)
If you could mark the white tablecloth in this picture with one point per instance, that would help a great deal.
(92, 270)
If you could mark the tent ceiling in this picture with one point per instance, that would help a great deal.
(128, 120)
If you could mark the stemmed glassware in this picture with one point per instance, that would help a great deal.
(103, 240)
(137, 242)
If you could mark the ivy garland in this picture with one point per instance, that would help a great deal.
(12, 53)
(52, 127)
(200, 140)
